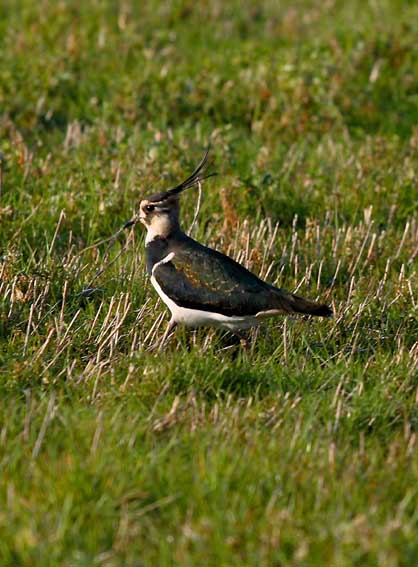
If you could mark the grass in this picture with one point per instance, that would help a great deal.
(301, 451)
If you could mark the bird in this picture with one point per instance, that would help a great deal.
(202, 286)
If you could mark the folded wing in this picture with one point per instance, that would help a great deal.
(202, 278)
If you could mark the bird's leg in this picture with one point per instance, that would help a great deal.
(244, 339)
(161, 343)
(252, 339)
(237, 338)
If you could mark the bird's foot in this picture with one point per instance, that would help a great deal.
(245, 343)
(233, 340)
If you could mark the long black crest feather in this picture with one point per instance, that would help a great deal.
(196, 177)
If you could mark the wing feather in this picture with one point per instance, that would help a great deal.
(202, 278)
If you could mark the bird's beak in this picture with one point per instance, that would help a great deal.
(133, 221)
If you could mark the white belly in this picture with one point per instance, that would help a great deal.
(199, 318)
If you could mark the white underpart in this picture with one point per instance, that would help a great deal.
(198, 317)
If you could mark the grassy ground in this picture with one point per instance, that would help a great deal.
(299, 452)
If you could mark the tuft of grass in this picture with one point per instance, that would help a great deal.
(300, 450)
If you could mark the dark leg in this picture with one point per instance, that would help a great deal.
(244, 339)
(234, 339)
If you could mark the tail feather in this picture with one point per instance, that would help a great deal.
(308, 307)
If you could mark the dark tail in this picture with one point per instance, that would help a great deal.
(308, 307)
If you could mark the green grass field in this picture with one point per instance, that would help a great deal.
(299, 451)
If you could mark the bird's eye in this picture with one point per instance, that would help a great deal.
(149, 208)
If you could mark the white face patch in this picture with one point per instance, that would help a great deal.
(159, 225)
(159, 218)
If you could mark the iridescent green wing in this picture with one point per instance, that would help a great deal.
(201, 278)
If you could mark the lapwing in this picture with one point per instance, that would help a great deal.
(200, 285)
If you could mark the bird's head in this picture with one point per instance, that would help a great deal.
(159, 216)
(160, 212)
